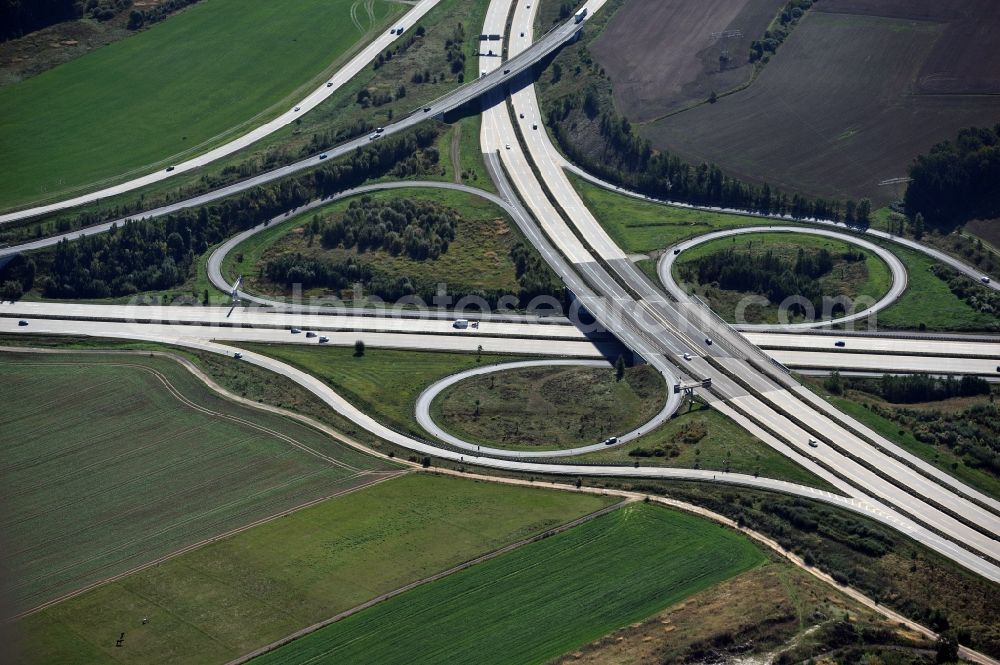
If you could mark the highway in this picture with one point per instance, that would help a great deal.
(665, 270)
(427, 397)
(969, 271)
(412, 329)
(853, 458)
(551, 41)
(883, 345)
(888, 363)
(194, 333)
(877, 478)
(871, 509)
(219, 318)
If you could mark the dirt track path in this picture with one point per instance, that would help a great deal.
(766, 541)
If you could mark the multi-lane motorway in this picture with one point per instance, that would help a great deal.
(874, 468)
(875, 476)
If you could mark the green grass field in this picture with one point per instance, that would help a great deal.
(174, 90)
(870, 278)
(111, 461)
(478, 257)
(539, 408)
(705, 439)
(643, 226)
(384, 382)
(230, 597)
(542, 600)
(929, 301)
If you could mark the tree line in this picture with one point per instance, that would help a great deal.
(911, 388)
(957, 180)
(774, 37)
(139, 18)
(21, 17)
(159, 254)
(624, 158)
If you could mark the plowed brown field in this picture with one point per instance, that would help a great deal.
(660, 54)
(858, 89)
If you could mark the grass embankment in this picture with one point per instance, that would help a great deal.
(478, 258)
(857, 404)
(230, 597)
(112, 461)
(541, 600)
(384, 383)
(174, 90)
(764, 611)
(705, 439)
(928, 303)
(461, 140)
(241, 379)
(540, 408)
(643, 226)
(337, 118)
(869, 279)
(877, 560)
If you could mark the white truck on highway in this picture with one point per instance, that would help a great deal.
(580, 15)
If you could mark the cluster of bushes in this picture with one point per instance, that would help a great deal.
(160, 254)
(912, 581)
(767, 273)
(790, 15)
(976, 296)
(378, 98)
(18, 276)
(534, 277)
(336, 274)
(19, 17)
(658, 451)
(139, 256)
(957, 180)
(455, 51)
(398, 48)
(914, 388)
(418, 229)
(972, 434)
(138, 18)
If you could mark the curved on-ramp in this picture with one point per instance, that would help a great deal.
(666, 263)
(329, 87)
(427, 397)
(936, 254)
(339, 404)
